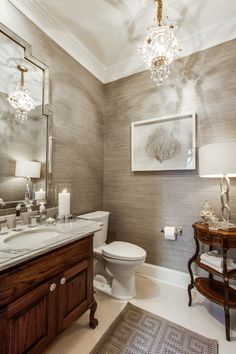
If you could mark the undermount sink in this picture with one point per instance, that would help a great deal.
(30, 238)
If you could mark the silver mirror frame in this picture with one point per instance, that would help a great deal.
(5, 208)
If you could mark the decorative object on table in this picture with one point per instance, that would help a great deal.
(50, 221)
(20, 98)
(218, 161)
(64, 199)
(206, 212)
(138, 331)
(167, 143)
(160, 47)
(214, 223)
(28, 169)
(217, 290)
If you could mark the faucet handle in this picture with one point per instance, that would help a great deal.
(34, 220)
(3, 226)
(2, 203)
(18, 223)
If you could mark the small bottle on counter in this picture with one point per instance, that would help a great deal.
(42, 212)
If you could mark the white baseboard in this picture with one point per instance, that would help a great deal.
(165, 275)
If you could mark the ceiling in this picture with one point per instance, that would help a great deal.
(103, 35)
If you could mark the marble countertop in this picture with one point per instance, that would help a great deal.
(19, 246)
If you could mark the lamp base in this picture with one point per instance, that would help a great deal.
(225, 208)
(28, 187)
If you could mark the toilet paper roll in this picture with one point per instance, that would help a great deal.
(170, 233)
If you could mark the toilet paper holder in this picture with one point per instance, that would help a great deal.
(179, 230)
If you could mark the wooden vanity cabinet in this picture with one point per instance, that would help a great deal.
(30, 322)
(34, 310)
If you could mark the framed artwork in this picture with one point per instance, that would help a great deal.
(162, 144)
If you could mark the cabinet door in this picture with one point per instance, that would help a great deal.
(31, 321)
(74, 293)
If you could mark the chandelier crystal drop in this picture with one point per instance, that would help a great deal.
(159, 48)
(20, 98)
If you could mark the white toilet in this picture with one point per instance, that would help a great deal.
(114, 263)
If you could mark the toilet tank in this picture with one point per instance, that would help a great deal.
(99, 236)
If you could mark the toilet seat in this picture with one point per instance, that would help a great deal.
(98, 250)
(123, 251)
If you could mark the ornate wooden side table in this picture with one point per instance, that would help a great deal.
(218, 291)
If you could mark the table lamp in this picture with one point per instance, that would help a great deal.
(27, 169)
(219, 161)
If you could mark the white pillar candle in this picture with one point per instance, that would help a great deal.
(40, 195)
(64, 203)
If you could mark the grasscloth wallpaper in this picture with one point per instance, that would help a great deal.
(92, 147)
(142, 203)
(77, 102)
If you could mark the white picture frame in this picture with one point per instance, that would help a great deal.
(164, 144)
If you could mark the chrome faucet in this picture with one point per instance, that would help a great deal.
(18, 220)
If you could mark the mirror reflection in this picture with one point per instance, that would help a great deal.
(23, 127)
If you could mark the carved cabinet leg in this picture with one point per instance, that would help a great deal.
(93, 322)
(227, 324)
(191, 285)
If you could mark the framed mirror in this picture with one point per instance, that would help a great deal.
(25, 123)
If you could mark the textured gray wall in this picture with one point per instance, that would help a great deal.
(141, 203)
(77, 101)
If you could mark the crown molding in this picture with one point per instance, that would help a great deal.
(37, 13)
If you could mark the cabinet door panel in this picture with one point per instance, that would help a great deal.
(73, 294)
(31, 321)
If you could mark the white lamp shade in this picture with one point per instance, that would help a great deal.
(27, 169)
(218, 159)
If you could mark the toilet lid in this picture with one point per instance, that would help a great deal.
(124, 250)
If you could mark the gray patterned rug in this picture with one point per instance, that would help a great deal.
(136, 331)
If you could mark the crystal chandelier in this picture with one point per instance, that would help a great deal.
(159, 48)
(20, 98)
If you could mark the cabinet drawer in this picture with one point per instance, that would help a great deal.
(210, 239)
(17, 281)
(29, 322)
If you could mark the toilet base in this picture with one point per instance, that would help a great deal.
(107, 289)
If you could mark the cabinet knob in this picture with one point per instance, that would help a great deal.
(53, 287)
(63, 281)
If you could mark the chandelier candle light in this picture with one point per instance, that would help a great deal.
(159, 48)
(20, 99)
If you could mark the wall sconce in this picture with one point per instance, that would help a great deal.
(20, 98)
(218, 161)
(28, 169)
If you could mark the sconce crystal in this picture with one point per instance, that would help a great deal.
(20, 98)
(22, 102)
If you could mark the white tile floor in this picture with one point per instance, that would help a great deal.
(165, 300)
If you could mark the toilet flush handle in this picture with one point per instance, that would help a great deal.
(63, 281)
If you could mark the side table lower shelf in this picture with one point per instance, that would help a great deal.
(214, 291)
(217, 291)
